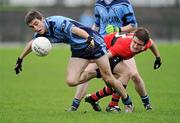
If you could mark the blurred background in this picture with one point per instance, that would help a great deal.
(161, 17)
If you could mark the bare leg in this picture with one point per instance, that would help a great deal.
(104, 67)
(103, 64)
(122, 72)
(81, 91)
(89, 73)
(75, 68)
(139, 84)
(135, 76)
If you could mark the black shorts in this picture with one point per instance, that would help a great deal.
(88, 53)
(113, 62)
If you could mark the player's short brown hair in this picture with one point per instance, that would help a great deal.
(31, 15)
(142, 34)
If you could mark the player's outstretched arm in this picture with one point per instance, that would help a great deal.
(156, 53)
(19, 61)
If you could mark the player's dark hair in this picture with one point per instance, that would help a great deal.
(31, 15)
(142, 34)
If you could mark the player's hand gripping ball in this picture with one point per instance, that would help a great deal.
(41, 46)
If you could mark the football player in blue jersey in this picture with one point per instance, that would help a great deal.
(86, 46)
(115, 16)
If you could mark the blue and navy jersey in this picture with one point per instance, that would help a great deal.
(59, 31)
(118, 13)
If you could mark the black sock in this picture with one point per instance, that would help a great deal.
(75, 103)
(127, 101)
(145, 99)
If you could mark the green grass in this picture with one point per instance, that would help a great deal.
(40, 95)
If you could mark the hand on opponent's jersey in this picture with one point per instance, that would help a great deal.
(18, 66)
(110, 29)
(157, 63)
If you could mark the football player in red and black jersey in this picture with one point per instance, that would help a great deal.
(121, 47)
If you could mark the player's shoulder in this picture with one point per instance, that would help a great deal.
(56, 18)
(124, 37)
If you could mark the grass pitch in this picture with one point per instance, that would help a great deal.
(40, 95)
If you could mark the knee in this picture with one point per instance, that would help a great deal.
(71, 82)
(133, 75)
(136, 77)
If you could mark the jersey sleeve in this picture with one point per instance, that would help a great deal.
(128, 16)
(97, 16)
(66, 26)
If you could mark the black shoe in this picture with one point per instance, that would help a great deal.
(94, 104)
